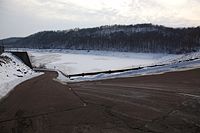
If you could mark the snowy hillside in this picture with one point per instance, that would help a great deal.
(145, 38)
(107, 30)
(12, 72)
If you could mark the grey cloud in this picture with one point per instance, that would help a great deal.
(18, 19)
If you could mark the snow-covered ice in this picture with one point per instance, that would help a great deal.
(13, 72)
(72, 62)
(170, 63)
(75, 61)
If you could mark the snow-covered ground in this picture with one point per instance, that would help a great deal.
(13, 72)
(167, 64)
(73, 62)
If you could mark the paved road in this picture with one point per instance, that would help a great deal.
(167, 103)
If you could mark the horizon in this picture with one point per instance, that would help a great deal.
(22, 18)
(97, 27)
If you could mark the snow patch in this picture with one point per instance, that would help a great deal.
(13, 72)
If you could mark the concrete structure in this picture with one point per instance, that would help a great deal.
(23, 56)
(1, 49)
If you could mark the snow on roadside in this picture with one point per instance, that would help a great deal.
(172, 63)
(133, 73)
(13, 72)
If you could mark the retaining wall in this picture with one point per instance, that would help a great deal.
(23, 56)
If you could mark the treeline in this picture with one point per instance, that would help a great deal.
(126, 38)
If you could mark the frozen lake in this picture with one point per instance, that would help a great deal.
(73, 62)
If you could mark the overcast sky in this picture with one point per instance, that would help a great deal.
(23, 17)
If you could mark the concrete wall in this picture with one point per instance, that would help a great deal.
(1, 49)
(23, 56)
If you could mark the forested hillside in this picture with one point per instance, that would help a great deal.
(130, 38)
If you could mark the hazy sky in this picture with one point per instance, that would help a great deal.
(24, 17)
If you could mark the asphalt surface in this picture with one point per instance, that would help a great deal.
(166, 103)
